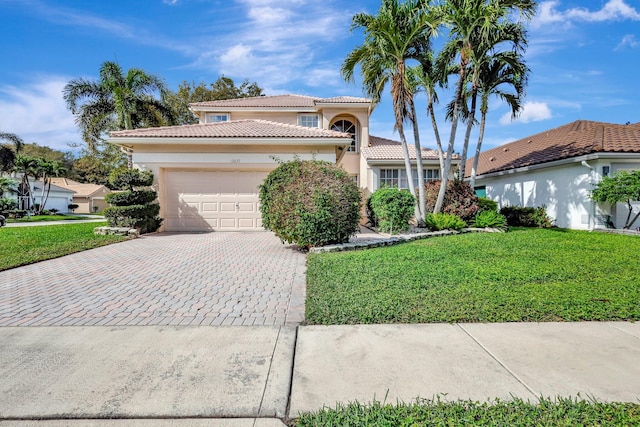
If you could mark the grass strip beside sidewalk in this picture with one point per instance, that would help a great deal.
(26, 245)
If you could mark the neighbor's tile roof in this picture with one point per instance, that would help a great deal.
(571, 140)
(81, 190)
(387, 149)
(249, 128)
(279, 101)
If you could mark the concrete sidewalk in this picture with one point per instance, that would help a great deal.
(257, 376)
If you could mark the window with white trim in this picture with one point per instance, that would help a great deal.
(349, 127)
(308, 120)
(217, 117)
(354, 177)
(397, 177)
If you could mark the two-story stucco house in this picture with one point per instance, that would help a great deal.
(208, 174)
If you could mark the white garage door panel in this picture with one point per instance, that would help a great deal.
(200, 201)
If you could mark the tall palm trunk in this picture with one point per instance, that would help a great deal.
(416, 138)
(474, 167)
(467, 135)
(452, 139)
(431, 113)
(400, 101)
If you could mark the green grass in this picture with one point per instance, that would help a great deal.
(39, 218)
(546, 412)
(26, 245)
(523, 275)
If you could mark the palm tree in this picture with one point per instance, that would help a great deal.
(504, 71)
(44, 170)
(7, 185)
(116, 101)
(8, 153)
(25, 165)
(399, 32)
(473, 30)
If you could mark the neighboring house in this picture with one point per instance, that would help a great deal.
(208, 174)
(559, 168)
(59, 198)
(88, 197)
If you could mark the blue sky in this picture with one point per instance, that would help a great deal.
(584, 56)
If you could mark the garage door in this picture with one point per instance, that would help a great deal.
(204, 201)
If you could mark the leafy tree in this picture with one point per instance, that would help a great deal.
(95, 166)
(65, 159)
(9, 150)
(223, 88)
(44, 170)
(622, 186)
(398, 33)
(116, 101)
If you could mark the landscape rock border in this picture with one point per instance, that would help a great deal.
(131, 233)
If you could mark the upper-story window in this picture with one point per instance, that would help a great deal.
(308, 120)
(347, 127)
(217, 117)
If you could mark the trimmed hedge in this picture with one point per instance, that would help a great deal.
(393, 209)
(485, 204)
(133, 207)
(127, 198)
(310, 203)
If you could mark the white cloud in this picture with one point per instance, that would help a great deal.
(170, 2)
(531, 112)
(628, 40)
(612, 10)
(279, 44)
(37, 113)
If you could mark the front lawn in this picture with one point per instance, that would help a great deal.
(546, 412)
(38, 218)
(524, 275)
(26, 245)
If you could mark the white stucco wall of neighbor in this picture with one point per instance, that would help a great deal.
(564, 190)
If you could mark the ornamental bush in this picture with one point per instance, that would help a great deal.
(310, 203)
(485, 204)
(133, 207)
(393, 209)
(518, 216)
(489, 219)
(459, 198)
(444, 221)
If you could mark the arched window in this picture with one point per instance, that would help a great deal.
(349, 127)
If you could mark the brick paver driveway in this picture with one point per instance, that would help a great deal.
(162, 279)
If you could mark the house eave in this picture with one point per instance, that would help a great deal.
(570, 160)
(253, 109)
(131, 141)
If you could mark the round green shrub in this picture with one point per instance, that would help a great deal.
(310, 203)
(485, 204)
(127, 198)
(459, 198)
(393, 209)
(444, 221)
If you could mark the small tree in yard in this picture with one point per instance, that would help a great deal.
(133, 207)
(393, 209)
(310, 203)
(623, 186)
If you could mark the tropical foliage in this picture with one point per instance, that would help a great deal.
(482, 56)
(116, 101)
(9, 150)
(489, 219)
(444, 221)
(459, 199)
(392, 209)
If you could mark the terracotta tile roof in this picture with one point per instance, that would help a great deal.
(571, 140)
(295, 101)
(388, 149)
(39, 184)
(248, 128)
(81, 190)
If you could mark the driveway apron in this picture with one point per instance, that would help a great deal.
(232, 278)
